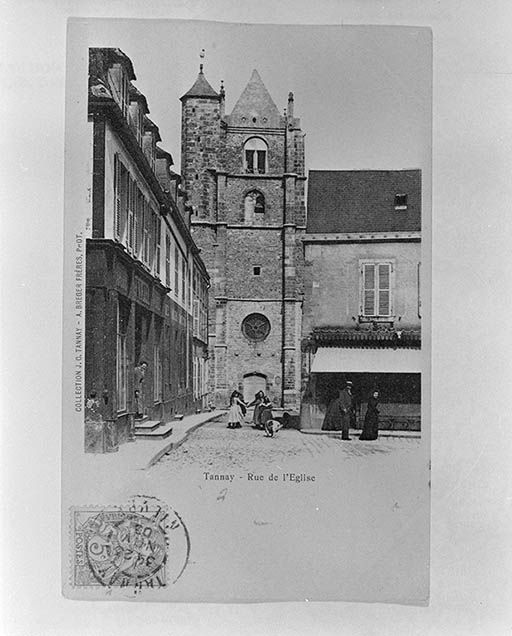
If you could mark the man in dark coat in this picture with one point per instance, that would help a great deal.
(337, 416)
(139, 374)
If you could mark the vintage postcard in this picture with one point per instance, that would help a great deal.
(246, 408)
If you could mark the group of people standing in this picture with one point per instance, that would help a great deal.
(238, 409)
(341, 413)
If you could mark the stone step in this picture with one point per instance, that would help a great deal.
(161, 432)
(146, 424)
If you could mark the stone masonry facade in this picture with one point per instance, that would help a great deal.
(245, 178)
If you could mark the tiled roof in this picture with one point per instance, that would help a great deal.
(406, 338)
(201, 88)
(363, 201)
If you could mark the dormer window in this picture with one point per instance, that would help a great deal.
(135, 119)
(255, 156)
(400, 202)
(125, 99)
(119, 85)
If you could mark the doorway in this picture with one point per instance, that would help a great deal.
(254, 382)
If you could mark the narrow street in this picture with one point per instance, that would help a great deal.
(214, 447)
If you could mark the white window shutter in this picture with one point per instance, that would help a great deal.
(369, 290)
(384, 289)
(117, 196)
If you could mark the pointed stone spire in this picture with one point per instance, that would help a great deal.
(201, 87)
(255, 107)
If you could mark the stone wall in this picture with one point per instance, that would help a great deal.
(245, 356)
(200, 144)
(234, 153)
(249, 248)
(235, 190)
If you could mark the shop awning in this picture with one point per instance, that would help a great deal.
(354, 360)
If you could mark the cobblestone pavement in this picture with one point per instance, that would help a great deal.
(214, 447)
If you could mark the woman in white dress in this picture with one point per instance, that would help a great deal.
(237, 409)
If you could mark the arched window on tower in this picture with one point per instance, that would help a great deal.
(255, 156)
(254, 207)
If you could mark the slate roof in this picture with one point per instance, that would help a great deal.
(137, 96)
(255, 103)
(101, 58)
(363, 201)
(201, 88)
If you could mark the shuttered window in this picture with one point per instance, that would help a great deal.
(376, 289)
(145, 232)
(176, 271)
(196, 318)
(131, 213)
(419, 290)
(167, 260)
(158, 229)
(183, 279)
(117, 196)
(120, 198)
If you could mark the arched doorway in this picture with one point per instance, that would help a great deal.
(254, 382)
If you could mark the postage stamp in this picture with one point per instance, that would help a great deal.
(142, 544)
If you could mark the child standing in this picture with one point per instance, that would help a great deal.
(237, 410)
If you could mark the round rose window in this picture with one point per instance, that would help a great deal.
(256, 327)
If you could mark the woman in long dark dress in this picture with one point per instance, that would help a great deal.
(371, 419)
(265, 411)
(257, 403)
(332, 419)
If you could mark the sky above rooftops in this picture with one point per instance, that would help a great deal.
(363, 94)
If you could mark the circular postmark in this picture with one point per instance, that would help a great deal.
(144, 544)
(126, 546)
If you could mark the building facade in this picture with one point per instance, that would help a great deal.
(362, 306)
(244, 173)
(146, 285)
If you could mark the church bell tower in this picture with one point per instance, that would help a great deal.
(245, 179)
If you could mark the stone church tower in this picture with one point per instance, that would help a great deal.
(244, 176)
